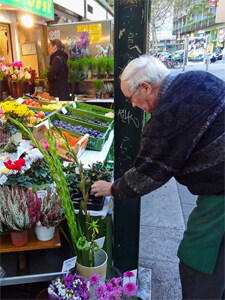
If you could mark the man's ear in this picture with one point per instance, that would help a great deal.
(147, 87)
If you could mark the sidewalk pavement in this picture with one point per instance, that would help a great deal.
(164, 214)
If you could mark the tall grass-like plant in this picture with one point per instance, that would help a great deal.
(81, 225)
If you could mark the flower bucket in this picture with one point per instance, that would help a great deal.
(101, 258)
(43, 233)
(17, 89)
(19, 239)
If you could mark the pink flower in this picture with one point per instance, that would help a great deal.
(2, 58)
(119, 280)
(57, 146)
(14, 77)
(1, 110)
(18, 64)
(128, 274)
(100, 290)
(45, 145)
(130, 289)
(94, 279)
(109, 286)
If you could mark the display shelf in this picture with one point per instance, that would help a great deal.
(92, 80)
(33, 244)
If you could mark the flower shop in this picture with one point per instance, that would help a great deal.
(52, 228)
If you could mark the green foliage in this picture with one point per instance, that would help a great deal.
(43, 74)
(76, 73)
(98, 83)
(111, 64)
(77, 235)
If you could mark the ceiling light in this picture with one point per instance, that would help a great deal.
(27, 21)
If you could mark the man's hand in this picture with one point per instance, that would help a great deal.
(101, 188)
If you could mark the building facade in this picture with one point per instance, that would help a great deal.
(209, 22)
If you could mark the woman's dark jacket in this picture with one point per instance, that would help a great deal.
(58, 75)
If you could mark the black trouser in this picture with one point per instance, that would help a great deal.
(197, 285)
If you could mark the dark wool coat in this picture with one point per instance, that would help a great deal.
(58, 75)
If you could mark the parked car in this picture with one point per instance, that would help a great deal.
(216, 55)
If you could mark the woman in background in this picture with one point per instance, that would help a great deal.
(58, 72)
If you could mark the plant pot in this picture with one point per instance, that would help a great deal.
(101, 258)
(43, 233)
(19, 239)
(43, 295)
(106, 96)
(16, 138)
(17, 89)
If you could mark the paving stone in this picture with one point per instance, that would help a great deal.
(159, 243)
(162, 208)
(187, 209)
(165, 280)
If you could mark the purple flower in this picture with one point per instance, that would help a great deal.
(130, 289)
(109, 286)
(94, 279)
(119, 280)
(128, 274)
(113, 281)
(100, 290)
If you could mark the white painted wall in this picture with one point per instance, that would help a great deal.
(76, 6)
(99, 13)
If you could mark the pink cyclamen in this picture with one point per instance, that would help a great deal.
(128, 274)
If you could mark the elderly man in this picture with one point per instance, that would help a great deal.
(184, 138)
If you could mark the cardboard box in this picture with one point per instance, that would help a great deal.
(77, 144)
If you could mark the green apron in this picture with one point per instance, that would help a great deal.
(205, 229)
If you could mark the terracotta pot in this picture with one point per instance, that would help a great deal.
(19, 239)
(106, 96)
(17, 89)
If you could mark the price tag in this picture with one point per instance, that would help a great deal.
(63, 110)
(130, 279)
(20, 100)
(99, 241)
(69, 264)
(41, 194)
(74, 105)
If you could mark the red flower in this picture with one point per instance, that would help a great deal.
(16, 165)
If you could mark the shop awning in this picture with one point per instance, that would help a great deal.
(44, 8)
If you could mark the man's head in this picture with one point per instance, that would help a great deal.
(141, 81)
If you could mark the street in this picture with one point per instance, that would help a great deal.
(217, 68)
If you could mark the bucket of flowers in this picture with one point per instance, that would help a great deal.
(16, 79)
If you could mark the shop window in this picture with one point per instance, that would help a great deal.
(5, 45)
(90, 9)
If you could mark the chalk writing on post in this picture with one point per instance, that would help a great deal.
(127, 117)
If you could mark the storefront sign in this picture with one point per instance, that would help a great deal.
(54, 34)
(221, 35)
(82, 28)
(43, 8)
(95, 33)
(210, 48)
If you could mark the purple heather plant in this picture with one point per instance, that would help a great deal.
(68, 288)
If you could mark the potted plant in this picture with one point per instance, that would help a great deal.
(43, 75)
(76, 75)
(17, 77)
(47, 213)
(17, 111)
(82, 228)
(98, 83)
(69, 287)
(14, 214)
(107, 89)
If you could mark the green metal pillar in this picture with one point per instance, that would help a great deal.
(130, 37)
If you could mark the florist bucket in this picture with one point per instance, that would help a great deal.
(19, 239)
(17, 89)
(101, 258)
(43, 233)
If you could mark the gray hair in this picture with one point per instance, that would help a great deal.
(144, 69)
